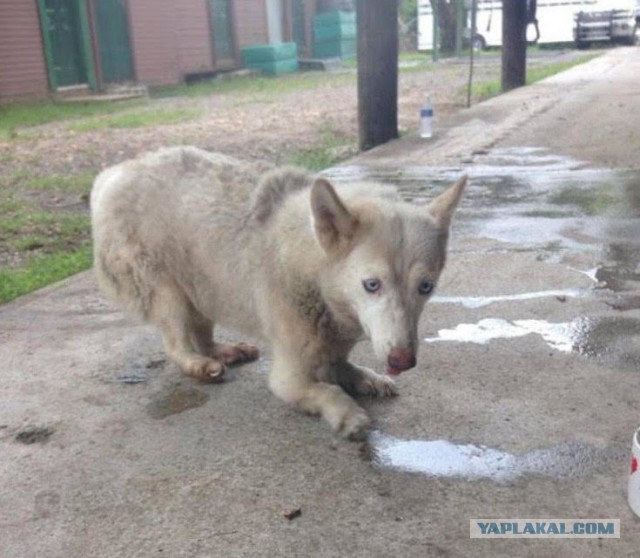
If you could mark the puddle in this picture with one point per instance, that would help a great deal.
(611, 337)
(526, 196)
(176, 400)
(131, 379)
(480, 301)
(34, 435)
(615, 338)
(558, 336)
(442, 458)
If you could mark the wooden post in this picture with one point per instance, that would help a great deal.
(459, 26)
(514, 44)
(377, 71)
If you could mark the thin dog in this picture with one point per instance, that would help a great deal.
(187, 239)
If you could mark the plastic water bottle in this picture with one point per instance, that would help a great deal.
(426, 119)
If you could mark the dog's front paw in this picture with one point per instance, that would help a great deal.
(359, 380)
(376, 385)
(355, 425)
(206, 370)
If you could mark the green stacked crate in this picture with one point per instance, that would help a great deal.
(275, 59)
(334, 35)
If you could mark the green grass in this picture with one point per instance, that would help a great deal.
(41, 271)
(537, 73)
(138, 119)
(483, 90)
(79, 183)
(330, 150)
(267, 85)
(407, 61)
(48, 244)
(10, 205)
(14, 116)
(56, 231)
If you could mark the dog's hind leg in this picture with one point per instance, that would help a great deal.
(293, 381)
(358, 380)
(185, 332)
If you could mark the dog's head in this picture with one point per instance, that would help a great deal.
(383, 263)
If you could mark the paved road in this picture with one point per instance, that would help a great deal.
(522, 406)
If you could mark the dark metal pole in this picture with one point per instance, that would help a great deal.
(377, 71)
(514, 44)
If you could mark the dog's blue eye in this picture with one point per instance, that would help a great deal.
(372, 285)
(425, 287)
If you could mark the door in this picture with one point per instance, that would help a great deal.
(62, 31)
(298, 25)
(222, 29)
(112, 28)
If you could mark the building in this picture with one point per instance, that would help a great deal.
(49, 45)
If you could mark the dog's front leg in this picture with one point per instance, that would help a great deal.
(294, 381)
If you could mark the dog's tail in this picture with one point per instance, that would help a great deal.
(274, 187)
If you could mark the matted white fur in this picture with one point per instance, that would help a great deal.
(186, 239)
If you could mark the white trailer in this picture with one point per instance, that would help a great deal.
(555, 21)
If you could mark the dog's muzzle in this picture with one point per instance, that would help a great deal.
(400, 360)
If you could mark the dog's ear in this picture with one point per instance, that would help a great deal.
(444, 205)
(333, 223)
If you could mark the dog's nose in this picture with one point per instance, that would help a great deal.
(400, 360)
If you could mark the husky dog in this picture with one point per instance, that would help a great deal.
(186, 239)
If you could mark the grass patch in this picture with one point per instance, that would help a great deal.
(19, 115)
(332, 149)
(46, 244)
(79, 183)
(266, 85)
(537, 73)
(407, 61)
(10, 205)
(41, 271)
(54, 231)
(483, 90)
(139, 119)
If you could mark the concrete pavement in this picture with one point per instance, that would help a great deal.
(522, 406)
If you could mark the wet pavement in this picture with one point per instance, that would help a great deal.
(530, 199)
(442, 458)
(523, 403)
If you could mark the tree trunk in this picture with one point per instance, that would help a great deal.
(514, 44)
(377, 71)
(447, 24)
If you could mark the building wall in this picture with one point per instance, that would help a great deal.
(154, 41)
(194, 37)
(23, 71)
(169, 39)
(251, 22)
